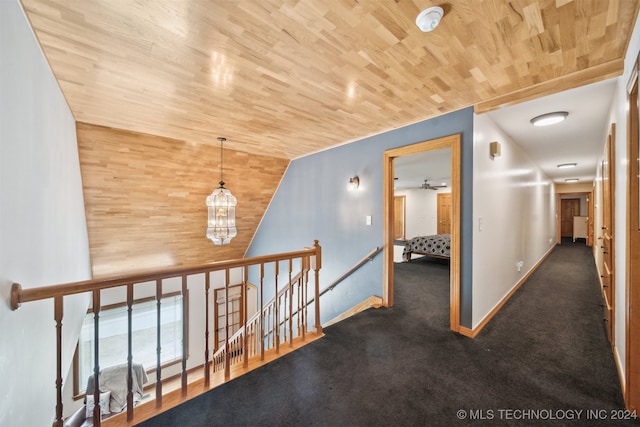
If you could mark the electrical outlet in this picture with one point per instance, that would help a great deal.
(368, 220)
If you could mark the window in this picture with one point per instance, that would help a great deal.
(113, 345)
(235, 307)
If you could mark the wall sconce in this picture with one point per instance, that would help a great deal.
(494, 149)
(353, 184)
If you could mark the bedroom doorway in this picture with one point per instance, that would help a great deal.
(451, 143)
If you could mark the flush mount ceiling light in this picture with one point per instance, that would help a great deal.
(549, 119)
(429, 18)
(567, 165)
(571, 180)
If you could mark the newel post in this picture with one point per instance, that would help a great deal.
(317, 265)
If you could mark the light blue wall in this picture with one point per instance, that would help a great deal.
(312, 202)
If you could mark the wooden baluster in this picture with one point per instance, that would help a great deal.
(185, 320)
(290, 304)
(227, 360)
(298, 305)
(261, 311)
(57, 315)
(318, 266)
(306, 263)
(276, 322)
(129, 351)
(96, 361)
(158, 343)
(207, 286)
(245, 362)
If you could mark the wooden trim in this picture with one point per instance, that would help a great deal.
(453, 142)
(612, 193)
(616, 358)
(631, 383)
(373, 301)
(19, 295)
(558, 220)
(592, 74)
(472, 333)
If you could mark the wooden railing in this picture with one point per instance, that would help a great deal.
(288, 309)
(261, 334)
(279, 321)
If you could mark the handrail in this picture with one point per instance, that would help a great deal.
(19, 295)
(356, 266)
(242, 329)
(310, 260)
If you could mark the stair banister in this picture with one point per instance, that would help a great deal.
(95, 286)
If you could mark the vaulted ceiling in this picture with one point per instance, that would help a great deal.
(286, 78)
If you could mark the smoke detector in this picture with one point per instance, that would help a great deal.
(429, 18)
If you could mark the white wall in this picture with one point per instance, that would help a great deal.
(513, 204)
(421, 211)
(43, 233)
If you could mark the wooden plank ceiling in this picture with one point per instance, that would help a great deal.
(286, 78)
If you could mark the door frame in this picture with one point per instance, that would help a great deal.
(453, 142)
(631, 386)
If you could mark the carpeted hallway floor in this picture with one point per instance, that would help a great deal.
(543, 360)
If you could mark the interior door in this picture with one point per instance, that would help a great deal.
(568, 209)
(399, 218)
(444, 213)
(608, 248)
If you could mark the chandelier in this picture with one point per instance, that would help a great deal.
(221, 204)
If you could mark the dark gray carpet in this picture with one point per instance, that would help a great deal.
(543, 360)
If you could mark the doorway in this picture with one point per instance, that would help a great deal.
(452, 142)
(569, 208)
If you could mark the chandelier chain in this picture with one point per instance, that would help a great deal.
(222, 140)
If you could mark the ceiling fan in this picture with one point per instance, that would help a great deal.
(427, 186)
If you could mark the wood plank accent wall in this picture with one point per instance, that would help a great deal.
(145, 198)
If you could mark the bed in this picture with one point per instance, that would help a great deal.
(436, 245)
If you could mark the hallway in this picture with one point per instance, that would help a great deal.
(543, 360)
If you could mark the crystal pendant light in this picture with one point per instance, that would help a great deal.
(221, 205)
